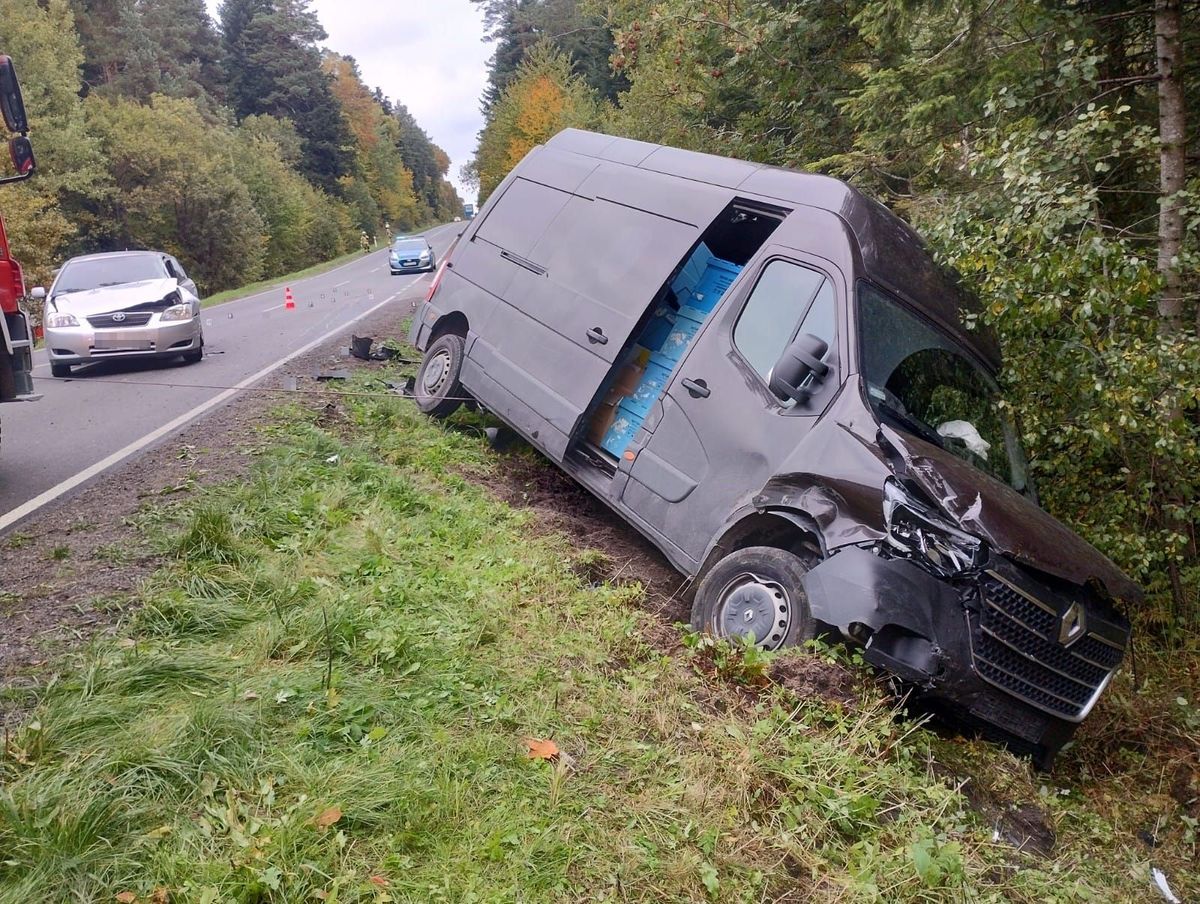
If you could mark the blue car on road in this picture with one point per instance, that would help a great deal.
(411, 255)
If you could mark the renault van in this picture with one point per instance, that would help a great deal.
(764, 372)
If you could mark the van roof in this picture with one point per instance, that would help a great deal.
(892, 253)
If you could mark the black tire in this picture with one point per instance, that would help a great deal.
(758, 587)
(194, 355)
(60, 370)
(436, 388)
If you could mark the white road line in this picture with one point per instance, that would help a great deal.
(347, 282)
(28, 508)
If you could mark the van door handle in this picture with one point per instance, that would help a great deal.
(596, 335)
(698, 389)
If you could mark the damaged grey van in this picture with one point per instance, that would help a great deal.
(764, 372)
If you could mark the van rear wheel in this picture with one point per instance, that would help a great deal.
(437, 389)
(757, 593)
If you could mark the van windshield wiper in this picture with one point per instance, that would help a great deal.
(912, 424)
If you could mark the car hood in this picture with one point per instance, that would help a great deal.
(1008, 521)
(114, 298)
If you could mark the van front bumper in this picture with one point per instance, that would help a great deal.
(424, 317)
(985, 647)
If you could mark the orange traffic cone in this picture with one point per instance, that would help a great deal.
(289, 304)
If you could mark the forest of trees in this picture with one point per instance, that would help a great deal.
(241, 146)
(1042, 148)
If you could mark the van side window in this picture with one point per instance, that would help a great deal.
(785, 293)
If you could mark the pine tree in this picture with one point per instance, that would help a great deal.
(273, 66)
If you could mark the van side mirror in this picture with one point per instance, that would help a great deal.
(10, 97)
(800, 360)
(37, 293)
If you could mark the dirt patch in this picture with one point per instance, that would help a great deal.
(811, 677)
(525, 480)
(1023, 824)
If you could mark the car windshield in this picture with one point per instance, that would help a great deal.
(409, 246)
(923, 382)
(98, 272)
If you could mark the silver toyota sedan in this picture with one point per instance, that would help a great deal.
(125, 304)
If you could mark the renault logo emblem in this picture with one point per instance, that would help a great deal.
(118, 317)
(1072, 626)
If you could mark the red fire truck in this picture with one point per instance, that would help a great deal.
(16, 341)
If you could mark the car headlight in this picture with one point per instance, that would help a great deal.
(424, 255)
(177, 312)
(915, 529)
(60, 319)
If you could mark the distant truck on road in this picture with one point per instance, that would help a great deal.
(16, 339)
(468, 211)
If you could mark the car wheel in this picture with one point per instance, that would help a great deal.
(194, 355)
(436, 388)
(755, 592)
(60, 370)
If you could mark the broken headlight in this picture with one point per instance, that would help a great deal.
(917, 530)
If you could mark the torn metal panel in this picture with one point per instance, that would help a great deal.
(1008, 521)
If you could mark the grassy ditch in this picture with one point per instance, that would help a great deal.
(330, 692)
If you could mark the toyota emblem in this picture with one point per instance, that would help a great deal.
(118, 317)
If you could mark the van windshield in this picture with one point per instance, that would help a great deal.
(921, 381)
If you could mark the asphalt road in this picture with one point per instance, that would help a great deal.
(111, 410)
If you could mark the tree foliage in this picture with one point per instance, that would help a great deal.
(1022, 139)
(543, 98)
(137, 148)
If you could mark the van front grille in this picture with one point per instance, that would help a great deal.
(1016, 648)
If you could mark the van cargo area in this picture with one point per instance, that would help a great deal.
(672, 320)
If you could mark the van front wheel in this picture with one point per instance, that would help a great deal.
(757, 593)
(437, 390)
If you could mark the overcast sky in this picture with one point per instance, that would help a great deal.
(428, 55)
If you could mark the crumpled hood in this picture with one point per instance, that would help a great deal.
(114, 298)
(1007, 520)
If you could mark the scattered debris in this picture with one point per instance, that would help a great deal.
(500, 438)
(326, 375)
(361, 348)
(405, 389)
(1164, 889)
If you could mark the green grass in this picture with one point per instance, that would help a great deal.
(324, 697)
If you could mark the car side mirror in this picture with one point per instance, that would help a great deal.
(37, 293)
(799, 361)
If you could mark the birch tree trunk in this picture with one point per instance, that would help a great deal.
(1171, 130)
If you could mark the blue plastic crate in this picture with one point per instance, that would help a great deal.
(658, 328)
(650, 387)
(622, 430)
(680, 337)
(717, 278)
(692, 271)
